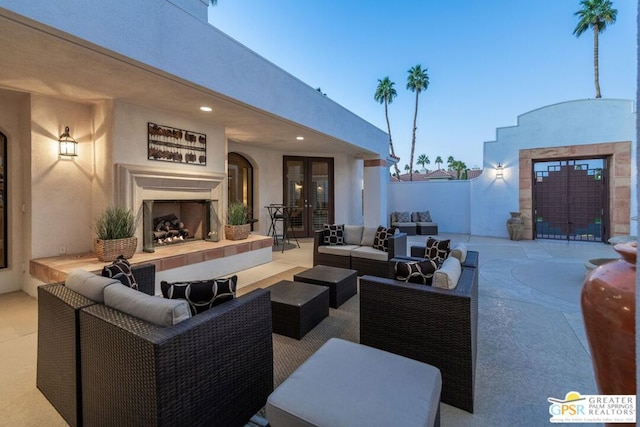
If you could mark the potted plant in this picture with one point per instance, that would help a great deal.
(115, 229)
(237, 227)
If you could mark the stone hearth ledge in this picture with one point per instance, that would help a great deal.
(55, 269)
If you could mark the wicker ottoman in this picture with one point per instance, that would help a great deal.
(342, 282)
(296, 308)
(349, 384)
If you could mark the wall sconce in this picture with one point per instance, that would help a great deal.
(499, 170)
(68, 145)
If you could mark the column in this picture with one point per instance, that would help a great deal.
(376, 177)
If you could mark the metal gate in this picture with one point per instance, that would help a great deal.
(571, 200)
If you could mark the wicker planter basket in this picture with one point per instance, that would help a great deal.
(237, 232)
(110, 250)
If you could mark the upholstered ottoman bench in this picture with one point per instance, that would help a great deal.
(349, 384)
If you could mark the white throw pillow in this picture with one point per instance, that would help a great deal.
(368, 236)
(353, 234)
(446, 277)
(459, 250)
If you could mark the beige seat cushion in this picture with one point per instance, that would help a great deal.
(342, 250)
(403, 224)
(370, 253)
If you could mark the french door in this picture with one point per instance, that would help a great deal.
(308, 190)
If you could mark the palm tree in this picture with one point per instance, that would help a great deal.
(438, 161)
(450, 161)
(407, 168)
(417, 81)
(385, 93)
(595, 14)
(459, 167)
(423, 159)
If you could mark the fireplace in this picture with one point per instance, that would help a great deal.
(190, 195)
(168, 222)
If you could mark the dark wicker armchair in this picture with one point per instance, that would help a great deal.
(214, 369)
(432, 325)
(58, 364)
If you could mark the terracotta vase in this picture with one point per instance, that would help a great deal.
(515, 226)
(608, 307)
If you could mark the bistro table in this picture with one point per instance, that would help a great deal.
(280, 217)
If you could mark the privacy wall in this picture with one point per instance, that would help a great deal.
(580, 128)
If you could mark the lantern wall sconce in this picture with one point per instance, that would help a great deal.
(499, 171)
(68, 145)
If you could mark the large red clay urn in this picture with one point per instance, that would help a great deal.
(608, 308)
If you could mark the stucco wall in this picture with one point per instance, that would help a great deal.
(61, 196)
(447, 201)
(267, 166)
(481, 206)
(568, 123)
(14, 120)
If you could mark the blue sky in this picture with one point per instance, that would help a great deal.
(488, 61)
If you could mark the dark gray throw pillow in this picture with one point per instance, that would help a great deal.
(381, 239)
(120, 270)
(334, 234)
(415, 271)
(437, 250)
(201, 294)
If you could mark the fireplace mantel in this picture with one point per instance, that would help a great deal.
(135, 183)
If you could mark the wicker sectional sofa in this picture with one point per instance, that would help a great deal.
(213, 368)
(357, 252)
(58, 362)
(429, 324)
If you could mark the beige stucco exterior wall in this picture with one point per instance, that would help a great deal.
(267, 169)
(60, 187)
(54, 200)
(14, 120)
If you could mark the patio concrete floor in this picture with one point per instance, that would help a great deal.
(531, 341)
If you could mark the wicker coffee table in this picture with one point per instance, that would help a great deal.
(296, 308)
(342, 282)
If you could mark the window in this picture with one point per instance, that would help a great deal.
(241, 181)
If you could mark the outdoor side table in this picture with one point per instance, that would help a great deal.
(296, 308)
(342, 282)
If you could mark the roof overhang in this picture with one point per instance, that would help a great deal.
(40, 59)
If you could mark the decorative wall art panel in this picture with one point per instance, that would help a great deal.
(169, 144)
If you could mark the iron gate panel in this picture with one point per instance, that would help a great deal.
(570, 199)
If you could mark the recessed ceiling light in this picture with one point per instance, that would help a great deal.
(300, 138)
(207, 109)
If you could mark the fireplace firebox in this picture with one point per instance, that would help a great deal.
(168, 222)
